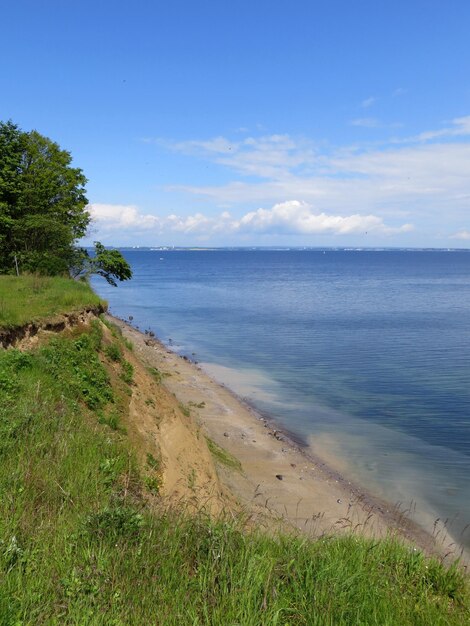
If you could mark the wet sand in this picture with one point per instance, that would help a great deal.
(278, 475)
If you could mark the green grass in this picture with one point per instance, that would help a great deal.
(79, 544)
(113, 352)
(127, 372)
(155, 373)
(185, 410)
(31, 298)
(223, 456)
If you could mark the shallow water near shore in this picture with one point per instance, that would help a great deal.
(365, 355)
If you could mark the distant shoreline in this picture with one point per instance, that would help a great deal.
(279, 249)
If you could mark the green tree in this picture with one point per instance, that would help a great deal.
(42, 203)
(110, 264)
(11, 148)
(43, 211)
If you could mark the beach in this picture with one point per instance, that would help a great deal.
(279, 482)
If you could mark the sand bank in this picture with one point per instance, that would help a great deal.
(278, 479)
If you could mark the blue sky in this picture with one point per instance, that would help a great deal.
(253, 123)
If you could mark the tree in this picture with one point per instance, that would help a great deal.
(110, 264)
(43, 210)
(42, 202)
(11, 146)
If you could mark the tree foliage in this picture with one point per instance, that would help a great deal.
(43, 210)
(110, 264)
(42, 202)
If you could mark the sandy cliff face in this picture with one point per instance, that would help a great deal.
(159, 426)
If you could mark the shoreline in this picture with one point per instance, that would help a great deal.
(281, 478)
(396, 520)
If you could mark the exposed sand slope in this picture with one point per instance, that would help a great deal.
(276, 474)
(157, 425)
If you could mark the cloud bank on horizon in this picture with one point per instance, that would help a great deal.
(291, 217)
(285, 189)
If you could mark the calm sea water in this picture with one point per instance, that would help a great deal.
(363, 354)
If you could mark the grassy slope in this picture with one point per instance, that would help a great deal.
(31, 298)
(78, 544)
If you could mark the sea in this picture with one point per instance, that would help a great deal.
(362, 355)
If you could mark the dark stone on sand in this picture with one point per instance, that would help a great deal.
(279, 476)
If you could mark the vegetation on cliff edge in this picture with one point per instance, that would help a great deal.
(33, 298)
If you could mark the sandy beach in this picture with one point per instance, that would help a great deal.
(279, 482)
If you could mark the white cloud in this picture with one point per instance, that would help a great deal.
(366, 122)
(296, 217)
(425, 180)
(121, 216)
(267, 156)
(129, 218)
(197, 223)
(217, 145)
(352, 189)
(368, 102)
(462, 234)
(459, 127)
(285, 218)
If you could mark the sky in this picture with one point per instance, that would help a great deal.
(267, 123)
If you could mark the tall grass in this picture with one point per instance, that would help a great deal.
(30, 298)
(79, 545)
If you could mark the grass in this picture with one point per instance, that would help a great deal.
(80, 545)
(113, 352)
(155, 373)
(222, 456)
(127, 373)
(185, 410)
(31, 298)
(196, 405)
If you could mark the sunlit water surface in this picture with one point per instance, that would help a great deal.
(365, 355)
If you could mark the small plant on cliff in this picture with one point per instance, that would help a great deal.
(127, 373)
(113, 352)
